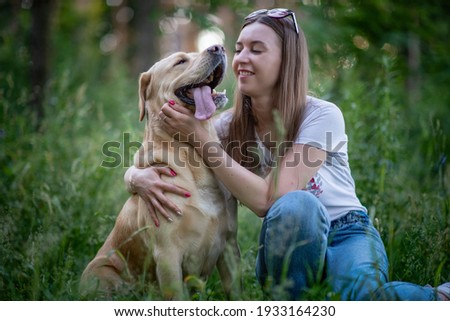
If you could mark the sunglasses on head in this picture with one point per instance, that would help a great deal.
(278, 13)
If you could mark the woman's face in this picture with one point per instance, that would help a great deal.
(257, 60)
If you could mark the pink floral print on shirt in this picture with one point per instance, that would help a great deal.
(314, 186)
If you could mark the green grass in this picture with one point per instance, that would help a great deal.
(58, 204)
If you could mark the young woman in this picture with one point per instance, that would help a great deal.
(291, 168)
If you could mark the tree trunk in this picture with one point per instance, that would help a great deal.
(146, 34)
(413, 83)
(39, 43)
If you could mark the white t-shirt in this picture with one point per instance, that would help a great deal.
(323, 127)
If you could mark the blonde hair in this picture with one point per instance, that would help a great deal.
(290, 99)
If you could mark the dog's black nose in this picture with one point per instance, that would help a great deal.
(216, 49)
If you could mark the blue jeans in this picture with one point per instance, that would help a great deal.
(299, 247)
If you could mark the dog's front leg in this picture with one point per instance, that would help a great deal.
(229, 267)
(170, 275)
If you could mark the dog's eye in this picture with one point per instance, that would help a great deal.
(180, 62)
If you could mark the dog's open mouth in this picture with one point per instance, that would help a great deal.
(203, 95)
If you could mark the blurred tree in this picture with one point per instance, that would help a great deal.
(41, 11)
(411, 31)
(146, 34)
(410, 38)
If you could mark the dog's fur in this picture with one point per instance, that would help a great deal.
(204, 236)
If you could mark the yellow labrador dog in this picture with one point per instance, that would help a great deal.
(205, 235)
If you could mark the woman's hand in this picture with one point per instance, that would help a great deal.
(178, 119)
(147, 183)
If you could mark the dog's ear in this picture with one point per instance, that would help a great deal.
(144, 82)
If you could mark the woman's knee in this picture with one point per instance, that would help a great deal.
(298, 207)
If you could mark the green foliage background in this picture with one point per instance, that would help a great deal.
(57, 204)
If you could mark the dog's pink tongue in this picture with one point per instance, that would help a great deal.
(204, 105)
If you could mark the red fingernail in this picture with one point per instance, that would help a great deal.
(172, 172)
(171, 102)
(187, 194)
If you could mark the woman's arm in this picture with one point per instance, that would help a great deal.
(147, 183)
(296, 168)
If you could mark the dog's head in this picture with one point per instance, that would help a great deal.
(188, 78)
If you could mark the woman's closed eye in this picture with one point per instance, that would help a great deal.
(254, 51)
